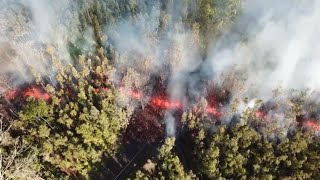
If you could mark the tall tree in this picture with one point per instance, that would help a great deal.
(80, 123)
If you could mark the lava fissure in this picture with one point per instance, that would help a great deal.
(159, 101)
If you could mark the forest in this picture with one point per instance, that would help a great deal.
(159, 89)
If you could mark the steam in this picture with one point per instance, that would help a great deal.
(170, 126)
(277, 48)
(171, 52)
(27, 29)
(272, 45)
(281, 50)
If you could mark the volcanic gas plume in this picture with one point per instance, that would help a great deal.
(271, 47)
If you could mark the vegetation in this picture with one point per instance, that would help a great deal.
(76, 121)
(169, 165)
(80, 123)
(16, 161)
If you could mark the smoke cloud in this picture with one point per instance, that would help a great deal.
(172, 52)
(272, 45)
(280, 49)
(28, 28)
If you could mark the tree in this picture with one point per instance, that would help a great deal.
(80, 123)
(239, 151)
(168, 165)
(215, 16)
(17, 161)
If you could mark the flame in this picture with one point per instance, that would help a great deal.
(312, 125)
(97, 90)
(161, 102)
(157, 101)
(36, 93)
(10, 95)
(136, 95)
(133, 94)
(214, 111)
(260, 114)
(165, 103)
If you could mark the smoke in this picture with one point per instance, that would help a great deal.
(280, 49)
(171, 51)
(272, 45)
(170, 125)
(28, 28)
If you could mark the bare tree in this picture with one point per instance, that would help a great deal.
(15, 161)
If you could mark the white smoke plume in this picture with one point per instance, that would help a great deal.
(272, 44)
(281, 49)
(28, 28)
(170, 125)
(172, 52)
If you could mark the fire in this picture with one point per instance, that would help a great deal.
(102, 89)
(10, 95)
(260, 114)
(165, 103)
(135, 95)
(157, 101)
(214, 111)
(312, 125)
(36, 93)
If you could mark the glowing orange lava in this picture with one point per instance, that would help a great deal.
(260, 114)
(312, 125)
(214, 111)
(157, 101)
(135, 95)
(36, 93)
(10, 95)
(165, 103)
(102, 89)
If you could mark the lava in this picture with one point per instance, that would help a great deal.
(135, 95)
(10, 95)
(260, 114)
(165, 103)
(159, 101)
(97, 90)
(312, 125)
(36, 93)
(214, 111)
(132, 93)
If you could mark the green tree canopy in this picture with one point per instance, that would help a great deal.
(80, 123)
